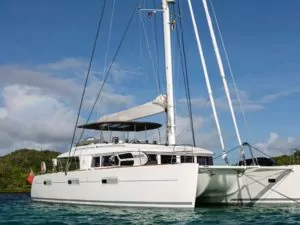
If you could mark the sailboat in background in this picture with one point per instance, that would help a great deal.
(138, 173)
(246, 183)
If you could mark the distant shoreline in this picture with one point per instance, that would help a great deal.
(14, 191)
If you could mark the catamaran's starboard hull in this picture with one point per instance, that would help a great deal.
(251, 185)
(172, 186)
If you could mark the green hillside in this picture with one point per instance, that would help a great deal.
(291, 159)
(15, 167)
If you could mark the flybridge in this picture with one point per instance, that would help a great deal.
(121, 126)
(125, 120)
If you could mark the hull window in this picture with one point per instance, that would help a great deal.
(272, 180)
(73, 181)
(112, 180)
(47, 182)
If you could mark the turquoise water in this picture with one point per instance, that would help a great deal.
(19, 209)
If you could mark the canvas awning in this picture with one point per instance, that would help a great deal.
(158, 105)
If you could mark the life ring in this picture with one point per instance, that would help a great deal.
(43, 167)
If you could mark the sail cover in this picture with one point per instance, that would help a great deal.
(158, 105)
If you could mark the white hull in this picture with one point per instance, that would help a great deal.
(252, 185)
(172, 186)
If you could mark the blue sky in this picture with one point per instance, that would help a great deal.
(46, 46)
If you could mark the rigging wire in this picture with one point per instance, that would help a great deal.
(152, 61)
(100, 111)
(104, 81)
(180, 41)
(156, 45)
(205, 105)
(230, 71)
(86, 79)
(271, 189)
(109, 34)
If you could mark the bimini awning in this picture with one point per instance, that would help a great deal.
(154, 107)
(121, 126)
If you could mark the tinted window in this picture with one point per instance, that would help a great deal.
(209, 160)
(105, 160)
(127, 163)
(113, 161)
(152, 159)
(73, 163)
(202, 160)
(126, 156)
(96, 162)
(186, 159)
(168, 159)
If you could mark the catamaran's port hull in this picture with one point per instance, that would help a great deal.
(171, 186)
(251, 185)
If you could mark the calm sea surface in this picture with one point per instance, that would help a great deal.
(19, 209)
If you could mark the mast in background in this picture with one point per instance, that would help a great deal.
(222, 73)
(169, 75)
(210, 92)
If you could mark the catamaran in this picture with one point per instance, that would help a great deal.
(135, 172)
(130, 172)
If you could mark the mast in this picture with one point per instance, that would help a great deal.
(210, 93)
(222, 73)
(169, 75)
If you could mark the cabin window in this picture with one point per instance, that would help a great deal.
(127, 163)
(125, 156)
(168, 159)
(110, 160)
(73, 163)
(186, 159)
(105, 160)
(113, 161)
(202, 160)
(152, 159)
(96, 161)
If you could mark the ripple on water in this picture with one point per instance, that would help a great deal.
(19, 209)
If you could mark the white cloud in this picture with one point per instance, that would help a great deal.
(33, 120)
(38, 104)
(205, 134)
(65, 64)
(276, 145)
(120, 74)
(248, 104)
(272, 97)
